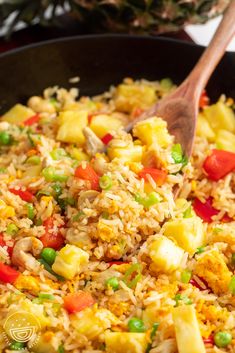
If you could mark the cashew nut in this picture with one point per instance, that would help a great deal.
(24, 251)
(93, 143)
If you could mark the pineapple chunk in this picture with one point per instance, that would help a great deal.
(130, 96)
(150, 315)
(18, 114)
(42, 345)
(225, 140)
(153, 131)
(129, 154)
(103, 124)
(71, 124)
(129, 342)
(204, 129)
(68, 261)
(165, 255)
(188, 233)
(91, 322)
(213, 269)
(187, 330)
(220, 117)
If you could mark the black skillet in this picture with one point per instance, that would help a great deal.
(101, 61)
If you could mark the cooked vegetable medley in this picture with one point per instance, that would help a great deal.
(93, 244)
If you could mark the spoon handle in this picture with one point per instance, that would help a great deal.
(199, 76)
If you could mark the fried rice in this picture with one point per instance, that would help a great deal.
(93, 242)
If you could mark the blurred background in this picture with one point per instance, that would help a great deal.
(29, 21)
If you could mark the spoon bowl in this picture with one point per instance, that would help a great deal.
(180, 108)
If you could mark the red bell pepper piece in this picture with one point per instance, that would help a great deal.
(75, 302)
(32, 120)
(158, 175)
(204, 100)
(107, 138)
(8, 274)
(88, 173)
(218, 164)
(51, 239)
(205, 210)
(3, 243)
(209, 340)
(24, 195)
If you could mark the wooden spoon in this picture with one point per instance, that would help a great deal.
(180, 108)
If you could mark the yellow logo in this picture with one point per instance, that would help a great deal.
(22, 326)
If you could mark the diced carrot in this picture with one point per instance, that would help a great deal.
(158, 175)
(75, 302)
(88, 173)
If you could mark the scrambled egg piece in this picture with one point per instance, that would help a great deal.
(213, 269)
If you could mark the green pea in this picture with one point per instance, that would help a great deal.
(5, 138)
(49, 255)
(113, 283)
(222, 339)
(16, 346)
(12, 229)
(136, 325)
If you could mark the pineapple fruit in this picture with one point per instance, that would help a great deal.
(102, 124)
(71, 124)
(187, 330)
(217, 123)
(166, 256)
(131, 153)
(91, 322)
(131, 342)
(219, 117)
(153, 131)
(18, 114)
(68, 261)
(188, 233)
(130, 96)
(120, 15)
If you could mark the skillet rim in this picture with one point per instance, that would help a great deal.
(102, 36)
